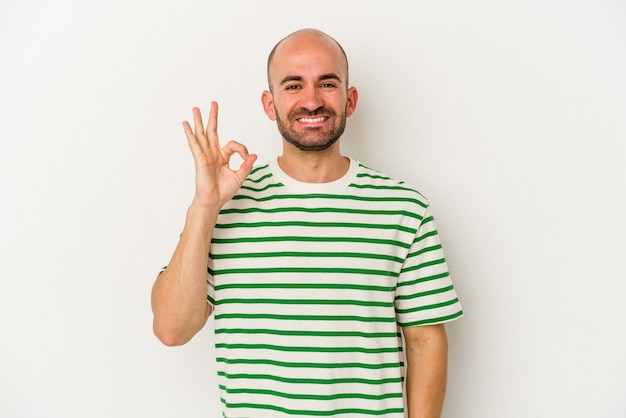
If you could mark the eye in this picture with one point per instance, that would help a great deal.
(328, 85)
(292, 87)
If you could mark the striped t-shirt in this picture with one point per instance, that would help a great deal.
(310, 285)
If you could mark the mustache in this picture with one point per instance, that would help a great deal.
(312, 113)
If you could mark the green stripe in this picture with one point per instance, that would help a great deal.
(315, 225)
(424, 250)
(257, 169)
(373, 176)
(427, 307)
(310, 239)
(303, 270)
(331, 302)
(306, 317)
(426, 235)
(427, 293)
(323, 210)
(312, 365)
(304, 396)
(304, 286)
(308, 254)
(266, 187)
(424, 279)
(301, 413)
(260, 179)
(428, 220)
(291, 349)
(310, 381)
(423, 265)
(382, 187)
(385, 199)
(432, 320)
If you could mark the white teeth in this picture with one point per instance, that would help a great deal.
(312, 120)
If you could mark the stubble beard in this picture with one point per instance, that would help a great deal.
(313, 139)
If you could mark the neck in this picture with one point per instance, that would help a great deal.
(313, 166)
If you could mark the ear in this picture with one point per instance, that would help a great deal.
(267, 99)
(353, 97)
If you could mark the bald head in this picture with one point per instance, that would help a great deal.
(297, 41)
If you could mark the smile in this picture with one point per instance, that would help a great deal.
(312, 120)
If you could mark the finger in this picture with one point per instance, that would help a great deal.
(187, 128)
(245, 168)
(192, 140)
(232, 147)
(199, 127)
(211, 129)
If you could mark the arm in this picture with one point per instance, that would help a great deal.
(427, 358)
(179, 294)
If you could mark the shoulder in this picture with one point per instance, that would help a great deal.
(382, 184)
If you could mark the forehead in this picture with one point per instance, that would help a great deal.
(307, 56)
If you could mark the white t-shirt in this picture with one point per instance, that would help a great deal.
(310, 284)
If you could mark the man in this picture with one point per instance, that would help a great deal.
(315, 262)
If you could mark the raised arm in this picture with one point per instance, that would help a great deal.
(179, 294)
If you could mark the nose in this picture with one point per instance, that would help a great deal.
(310, 99)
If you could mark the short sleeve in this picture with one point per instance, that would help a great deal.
(425, 293)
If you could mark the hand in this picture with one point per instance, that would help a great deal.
(216, 182)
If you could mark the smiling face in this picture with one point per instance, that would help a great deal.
(309, 97)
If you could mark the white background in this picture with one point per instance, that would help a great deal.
(508, 116)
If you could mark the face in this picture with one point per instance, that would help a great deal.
(309, 98)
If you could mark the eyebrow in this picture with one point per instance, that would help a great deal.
(328, 76)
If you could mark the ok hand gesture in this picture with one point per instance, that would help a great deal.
(216, 182)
